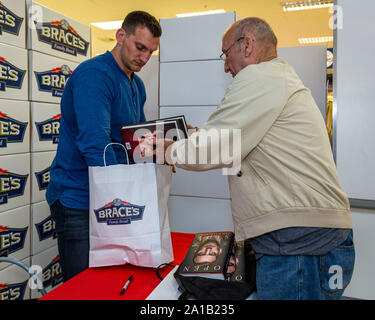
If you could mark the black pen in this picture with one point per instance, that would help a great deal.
(126, 285)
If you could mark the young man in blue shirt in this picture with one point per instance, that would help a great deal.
(102, 95)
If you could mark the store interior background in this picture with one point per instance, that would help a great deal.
(288, 26)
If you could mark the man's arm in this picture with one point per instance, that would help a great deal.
(142, 90)
(252, 103)
(93, 96)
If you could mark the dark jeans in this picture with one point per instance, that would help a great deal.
(72, 228)
(306, 277)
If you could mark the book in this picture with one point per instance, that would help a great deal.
(181, 124)
(139, 138)
(236, 270)
(208, 255)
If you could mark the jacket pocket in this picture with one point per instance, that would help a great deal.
(259, 178)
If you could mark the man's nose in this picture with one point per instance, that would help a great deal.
(145, 57)
(226, 68)
(208, 250)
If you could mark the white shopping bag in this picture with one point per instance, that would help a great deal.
(129, 215)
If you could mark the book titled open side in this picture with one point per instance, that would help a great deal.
(217, 267)
(208, 255)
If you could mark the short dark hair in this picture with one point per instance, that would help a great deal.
(137, 18)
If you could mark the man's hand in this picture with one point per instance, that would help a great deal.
(163, 152)
(146, 144)
(192, 129)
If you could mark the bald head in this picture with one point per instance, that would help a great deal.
(248, 41)
(258, 28)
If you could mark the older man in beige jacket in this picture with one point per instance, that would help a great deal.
(286, 198)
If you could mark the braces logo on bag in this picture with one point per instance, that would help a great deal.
(10, 75)
(9, 22)
(11, 240)
(48, 130)
(43, 178)
(62, 36)
(52, 274)
(11, 185)
(54, 80)
(14, 291)
(11, 130)
(119, 212)
(46, 229)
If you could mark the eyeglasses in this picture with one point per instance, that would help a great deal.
(224, 55)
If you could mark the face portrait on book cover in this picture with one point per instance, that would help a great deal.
(232, 264)
(207, 252)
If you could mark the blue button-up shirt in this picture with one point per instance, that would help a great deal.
(98, 100)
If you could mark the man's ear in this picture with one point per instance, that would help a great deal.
(120, 35)
(249, 45)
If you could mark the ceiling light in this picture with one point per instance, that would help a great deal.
(306, 5)
(201, 13)
(315, 40)
(108, 25)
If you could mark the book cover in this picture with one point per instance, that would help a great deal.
(208, 255)
(139, 138)
(181, 124)
(236, 266)
(242, 263)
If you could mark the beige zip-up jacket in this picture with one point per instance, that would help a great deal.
(288, 177)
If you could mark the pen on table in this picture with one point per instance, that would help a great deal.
(126, 285)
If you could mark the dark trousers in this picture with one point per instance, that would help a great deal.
(72, 228)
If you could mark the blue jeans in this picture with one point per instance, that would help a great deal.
(306, 277)
(72, 228)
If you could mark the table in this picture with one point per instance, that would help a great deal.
(105, 283)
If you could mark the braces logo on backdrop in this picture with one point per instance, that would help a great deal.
(11, 240)
(48, 130)
(54, 80)
(46, 229)
(62, 37)
(43, 178)
(9, 22)
(11, 185)
(52, 274)
(11, 130)
(14, 291)
(10, 75)
(119, 212)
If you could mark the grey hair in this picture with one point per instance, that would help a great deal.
(258, 28)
